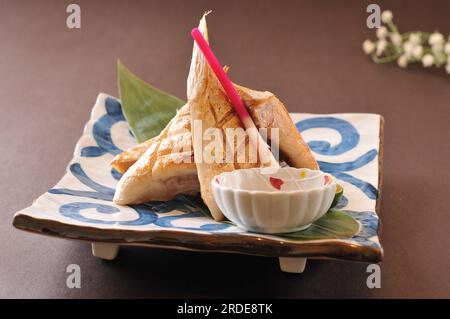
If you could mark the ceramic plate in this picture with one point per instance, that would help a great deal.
(80, 206)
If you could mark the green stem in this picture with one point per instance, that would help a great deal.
(392, 27)
(394, 54)
(386, 59)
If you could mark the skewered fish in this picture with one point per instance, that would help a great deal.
(164, 166)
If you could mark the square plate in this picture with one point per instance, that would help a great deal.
(80, 205)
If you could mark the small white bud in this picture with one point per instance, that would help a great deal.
(447, 48)
(402, 61)
(368, 46)
(437, 48)
(381, 46)
(396, 39)
(408, 47)
(427, 60)
(436, 38)
(386, 16)
(417, 52)
(382, 32)
(415, 38)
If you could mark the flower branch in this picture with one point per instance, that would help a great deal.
(431, 49)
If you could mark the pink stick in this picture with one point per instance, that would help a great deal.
(221, 75)
(235, 99)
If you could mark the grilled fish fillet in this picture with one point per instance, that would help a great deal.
(123, 161)
(165, 169)
(209, 104)
(267, 111)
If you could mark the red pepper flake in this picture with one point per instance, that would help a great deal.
(276, 182)
(327, 179)
(217, 180)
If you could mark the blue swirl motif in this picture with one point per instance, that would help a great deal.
(368, 221)
(369, 227)
(349, 140)
(148, 213)
(115, 174)
(102, 131)
(167, 222)
(73, 210)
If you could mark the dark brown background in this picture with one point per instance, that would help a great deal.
(307, 52)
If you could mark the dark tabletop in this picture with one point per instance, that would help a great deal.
(307, 52)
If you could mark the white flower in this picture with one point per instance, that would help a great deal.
(381, 46)
(437, 48)
(447, 48)
(447, 68)
(427, 60)
(415, 38)
(436, 38)
(402, 61)
(368, 46)
(417, 52)
(382, 32)
(408, 47)
(396, 39)
(386, 16)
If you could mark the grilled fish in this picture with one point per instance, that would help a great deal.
(165, 169)
(164, 166)
(210, 106)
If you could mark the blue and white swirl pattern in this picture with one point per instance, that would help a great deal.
(349, 140)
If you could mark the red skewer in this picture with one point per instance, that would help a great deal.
(236, 101)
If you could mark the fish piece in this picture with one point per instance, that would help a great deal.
(267, 111)
(123, 161)
(210, 107)
(209, 104)
(164, 170)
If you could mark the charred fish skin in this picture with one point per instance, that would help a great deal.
(165, 169)
(267, 111)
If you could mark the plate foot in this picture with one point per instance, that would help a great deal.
(105, 251)
(292, 264)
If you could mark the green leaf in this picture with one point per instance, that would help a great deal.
(146, 108)
(338, 195)
(333, 225)
(196, 202)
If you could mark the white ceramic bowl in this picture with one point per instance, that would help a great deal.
(284, 201)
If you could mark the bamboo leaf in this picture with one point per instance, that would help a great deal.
(333, 225)
(146, 108)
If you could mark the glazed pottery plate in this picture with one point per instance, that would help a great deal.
(80, 205)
